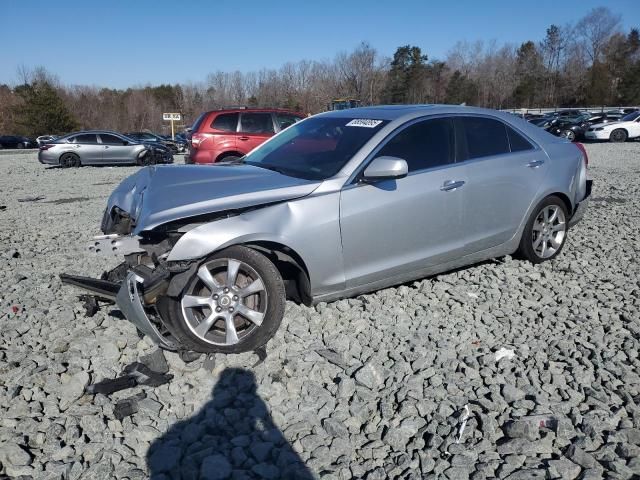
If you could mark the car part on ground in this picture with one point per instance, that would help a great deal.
(97, 147)
(211, 253)
(229, 134)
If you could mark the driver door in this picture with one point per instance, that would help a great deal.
(394, 227)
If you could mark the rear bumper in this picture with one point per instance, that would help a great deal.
(581, 208)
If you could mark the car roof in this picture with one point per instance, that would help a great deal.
(254, 110)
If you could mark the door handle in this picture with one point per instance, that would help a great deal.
(535, 163)
(243, 138)
(451, 185)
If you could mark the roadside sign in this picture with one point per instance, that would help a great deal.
(172, 117)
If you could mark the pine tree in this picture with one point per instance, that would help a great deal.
(42, 110)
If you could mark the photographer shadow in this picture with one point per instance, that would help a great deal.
(232, 436)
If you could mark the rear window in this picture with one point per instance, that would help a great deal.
(227, 122)
(485, 137)
(517, 142)
(285, 120)
(256, 123)
(87, 138)
(198, 122)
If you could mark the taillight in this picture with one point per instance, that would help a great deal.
(584, 153)
(196, 139)
(46, 147)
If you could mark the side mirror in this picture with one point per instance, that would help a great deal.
(125, 142)
(383, 168)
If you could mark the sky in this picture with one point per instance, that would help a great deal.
(123, 43)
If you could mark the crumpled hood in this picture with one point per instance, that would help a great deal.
(160, 194)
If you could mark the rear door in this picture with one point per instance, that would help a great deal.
(114, 149)
(86, 146)
(254, 129)
(505, 171)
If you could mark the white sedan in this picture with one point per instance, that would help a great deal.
(628, 127)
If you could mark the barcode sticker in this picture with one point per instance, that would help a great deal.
(364, 122)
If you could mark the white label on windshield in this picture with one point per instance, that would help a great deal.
(364, 122)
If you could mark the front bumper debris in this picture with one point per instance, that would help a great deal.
(130, 302)
(129, 296)
(114, 245)
(581, 208)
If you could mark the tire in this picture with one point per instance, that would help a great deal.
(20, 146)
(200, 317)
(145, 159)
(545, 232)
(618, 135)
(569, 135)
(69, 160)
(228, 158)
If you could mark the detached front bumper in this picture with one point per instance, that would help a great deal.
(581, 208)
(131, 305)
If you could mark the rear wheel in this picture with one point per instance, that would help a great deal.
(234, 303)
(618, 135)
(69, 160)
(20, 146)
(545, 232)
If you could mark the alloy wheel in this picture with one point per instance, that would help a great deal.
(225, 303)
(549, 230)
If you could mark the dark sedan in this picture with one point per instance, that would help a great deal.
(16, 141)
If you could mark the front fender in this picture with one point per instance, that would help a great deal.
(309, 226)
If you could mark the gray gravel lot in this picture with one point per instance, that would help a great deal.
(373, 387)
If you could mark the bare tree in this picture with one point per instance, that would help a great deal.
(595, 29)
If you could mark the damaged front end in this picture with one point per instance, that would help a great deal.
(148, 213)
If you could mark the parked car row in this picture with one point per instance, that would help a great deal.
(615, 125)
(95, 147)
(16, 141)
(229, 134)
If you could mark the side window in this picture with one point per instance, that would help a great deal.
(227, 122)
(426, 144)
(517, 142)
(86, 138)
(485, 137)
(285, 120)
(110, 139)
(256, 123)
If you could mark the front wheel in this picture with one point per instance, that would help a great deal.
(233, 303)
(569, 135)
(618, 135)
(545, 232)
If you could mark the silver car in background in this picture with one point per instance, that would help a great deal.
(98, 147)
(339, 204)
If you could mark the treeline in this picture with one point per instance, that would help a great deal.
(590, 63)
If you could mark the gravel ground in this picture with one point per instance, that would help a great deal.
(373, 387)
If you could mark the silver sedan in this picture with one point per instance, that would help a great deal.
(339, 204)
(98, 147)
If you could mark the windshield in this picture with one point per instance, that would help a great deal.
(631, 117)
(315, 149)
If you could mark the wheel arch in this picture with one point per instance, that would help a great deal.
(291, 266)
(228, 153)
(68, 152)
(624, 129)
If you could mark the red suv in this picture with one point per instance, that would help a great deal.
(232, 133)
